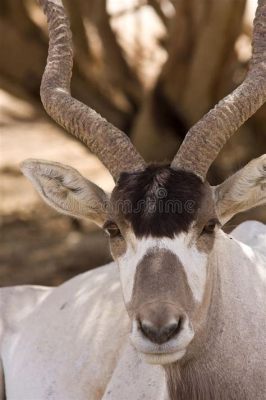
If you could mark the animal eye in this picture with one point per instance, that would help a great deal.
(210, 227)
(112, 229)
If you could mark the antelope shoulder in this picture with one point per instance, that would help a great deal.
(70, 345)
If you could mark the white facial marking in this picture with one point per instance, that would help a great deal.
(192, 259)
(128, 264)
(194, 262)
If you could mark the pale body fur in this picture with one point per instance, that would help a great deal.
(49, 349)
(231, 347)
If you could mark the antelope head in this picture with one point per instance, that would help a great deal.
(163, 221)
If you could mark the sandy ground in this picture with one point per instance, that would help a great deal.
(37, 244)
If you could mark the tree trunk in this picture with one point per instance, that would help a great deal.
(23, 56)
(201, 36)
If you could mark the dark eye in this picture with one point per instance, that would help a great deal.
(210, 226)
(112, 229)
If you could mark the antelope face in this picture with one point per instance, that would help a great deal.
(162, 226)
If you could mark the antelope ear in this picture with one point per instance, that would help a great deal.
(243, 190)
(66, 190)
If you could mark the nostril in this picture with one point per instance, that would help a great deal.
(174, 328)
(147, 329)
(161, 334)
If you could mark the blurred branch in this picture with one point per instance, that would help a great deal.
(24, 52)
(119, 72)
(23, 47)
(130, 10)
(17, 12)
(155, 4)
(201, 38)
(80, 41)
(201, 47)
(214, 48)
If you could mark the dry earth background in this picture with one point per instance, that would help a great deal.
(38, 245)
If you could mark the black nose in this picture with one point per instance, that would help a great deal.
(161, 334)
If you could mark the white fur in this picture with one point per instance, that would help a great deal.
(192, 259)
(71, 342)
(128, 264)
(140, 382)
(194, 262)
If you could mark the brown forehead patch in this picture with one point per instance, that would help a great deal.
(158, 201)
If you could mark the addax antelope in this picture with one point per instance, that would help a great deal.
(181, 313)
